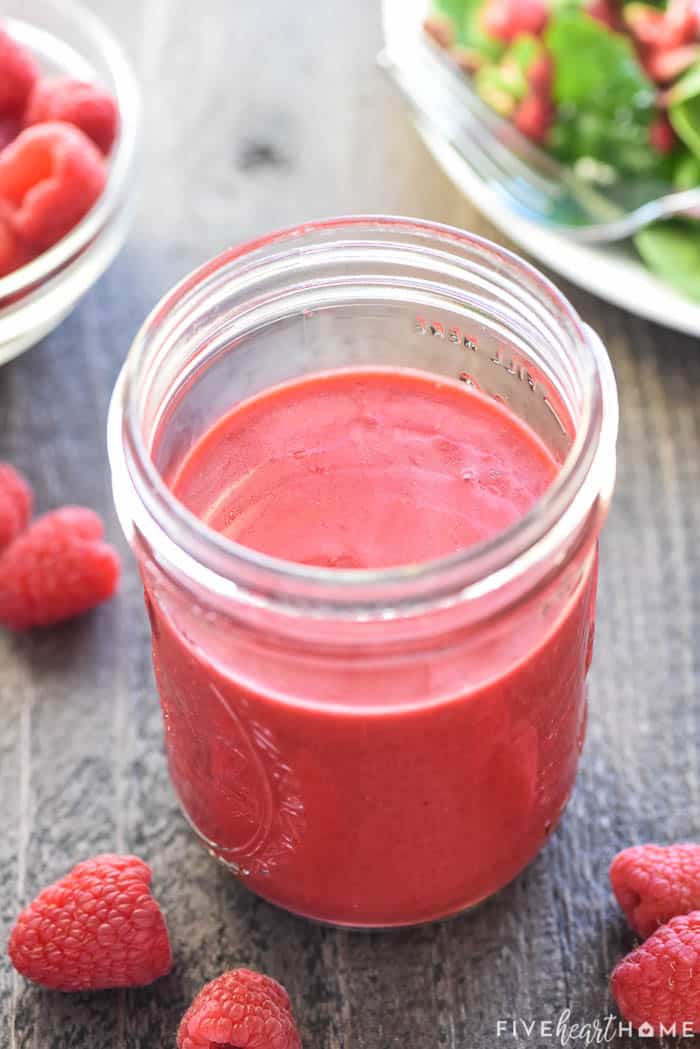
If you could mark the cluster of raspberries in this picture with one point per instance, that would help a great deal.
(657, 986)
(53, 568)
(54, 138)
(99, 927)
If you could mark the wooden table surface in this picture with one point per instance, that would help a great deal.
(261, 115)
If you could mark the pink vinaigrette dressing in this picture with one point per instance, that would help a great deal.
(389, 792)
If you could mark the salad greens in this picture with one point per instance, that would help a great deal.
(672, 249)
(684, 109)
(610, 87)
(604, 100)
(505, 83)
(464, 15)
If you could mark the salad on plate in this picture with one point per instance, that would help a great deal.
(609, 87)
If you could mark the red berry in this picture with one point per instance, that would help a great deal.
(681, 23)
(16, 499)
(506, 19)
(665, 66)
(86, 106)
(662, 137)
(50, 177)
(18, 74)
(57, 569)
(96, 928)
(534, 117)
(653, 883)
(603, 11)
(657, 987)
(646, 24)
(239, 1010)
(540, 75)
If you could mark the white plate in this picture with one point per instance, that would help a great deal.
(613, 272)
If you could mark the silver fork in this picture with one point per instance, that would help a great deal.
(529, 180)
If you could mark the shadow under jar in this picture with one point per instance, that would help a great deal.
(369, 748)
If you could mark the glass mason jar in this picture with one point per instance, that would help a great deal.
(369, 748)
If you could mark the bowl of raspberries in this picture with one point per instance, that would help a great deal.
(69, 120)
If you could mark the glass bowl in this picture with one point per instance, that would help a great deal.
(611, 271)
(68, 40)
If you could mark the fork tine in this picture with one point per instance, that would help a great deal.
(532, 182)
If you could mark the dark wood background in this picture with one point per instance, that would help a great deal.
(260, 115)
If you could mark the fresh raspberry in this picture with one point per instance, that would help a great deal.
(680, 25)
(506, 19)
(540, 75)
(86, 106)
(240, 1009)
(653, 883)
(534, 117)
(98, 927)
(50, 177)
(646, 24)
(18, 74)
(16, 499)
(657, 987)
(605, 12)
(662, 137)
(664, 66)
(57, 569)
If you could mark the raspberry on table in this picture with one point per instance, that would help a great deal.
(86, 106)
(50, 177)
(657, 986)
(653, 883)
(57, 569)
(240, 1009)
(18, 75)
(16, 498)
(98, 927)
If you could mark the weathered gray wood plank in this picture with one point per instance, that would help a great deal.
(260, 116)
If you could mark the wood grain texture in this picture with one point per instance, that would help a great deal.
(259, 116)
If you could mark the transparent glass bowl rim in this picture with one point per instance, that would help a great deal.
(120, 161)
(231, 571)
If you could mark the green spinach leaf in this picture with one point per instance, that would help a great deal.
(684, 108)
(605, 101)
(672, 250)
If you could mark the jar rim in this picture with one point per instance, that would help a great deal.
(230, 571)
